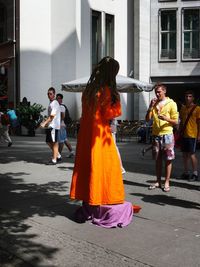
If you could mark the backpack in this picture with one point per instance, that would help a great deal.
(5, 119)
(67, 119)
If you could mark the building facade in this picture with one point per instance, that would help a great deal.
(58, 41)
(175, 45)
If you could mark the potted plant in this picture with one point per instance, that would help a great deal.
(30, 115)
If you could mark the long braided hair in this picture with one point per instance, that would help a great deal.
(103, 75)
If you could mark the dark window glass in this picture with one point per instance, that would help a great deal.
(99, 48)
(191, 33)
(96, 37)
(3, 23)
(191, 19)
(109, 35)
(168, 34)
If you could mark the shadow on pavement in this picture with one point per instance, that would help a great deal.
(168, 200)
(20, 201)
(29, 150)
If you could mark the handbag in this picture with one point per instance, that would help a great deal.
(178, 135)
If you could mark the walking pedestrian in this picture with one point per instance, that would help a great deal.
(14, 122)
(163, 111)
(190, 121)
(97, 176)
(4, 128)
(62, 137)
(113, 126)
(53, 126)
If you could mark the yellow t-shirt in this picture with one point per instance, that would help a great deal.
(192, 125)
(169, 109)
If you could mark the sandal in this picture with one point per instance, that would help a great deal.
(166, 189)
(154, 186)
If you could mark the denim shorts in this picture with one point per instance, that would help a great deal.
(62, 135)
(163, 144)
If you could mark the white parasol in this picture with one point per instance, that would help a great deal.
(124, 85)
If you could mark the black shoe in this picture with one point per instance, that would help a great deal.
(9, 144)
(51, 163)
(193, 178)
(71, 155)
(184, 176)
(59, 159)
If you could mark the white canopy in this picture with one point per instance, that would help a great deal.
(124, 85)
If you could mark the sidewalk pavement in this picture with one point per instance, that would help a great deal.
(36, 216)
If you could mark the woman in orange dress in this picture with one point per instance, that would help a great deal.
(97, 177)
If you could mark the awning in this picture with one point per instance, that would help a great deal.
(124, 85)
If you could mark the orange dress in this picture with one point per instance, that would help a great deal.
(97, 177)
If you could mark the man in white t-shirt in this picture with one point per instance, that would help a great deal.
(53, 124)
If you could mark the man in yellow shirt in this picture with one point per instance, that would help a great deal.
(163, 111)
(191, 136)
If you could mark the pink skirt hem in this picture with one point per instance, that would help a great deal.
(107, 216)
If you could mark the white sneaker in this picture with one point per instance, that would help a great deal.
(123, 170)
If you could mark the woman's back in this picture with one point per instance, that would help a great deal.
(97, 177)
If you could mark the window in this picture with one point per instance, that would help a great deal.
(3, 24)
(96, 37)
(168, 35)
(191, 34)
(102, 36)
(109, 35)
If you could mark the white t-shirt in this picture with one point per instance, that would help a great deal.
(54, 109)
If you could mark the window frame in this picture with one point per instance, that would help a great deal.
(182, 35)
(105, 45)
(160, 59)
